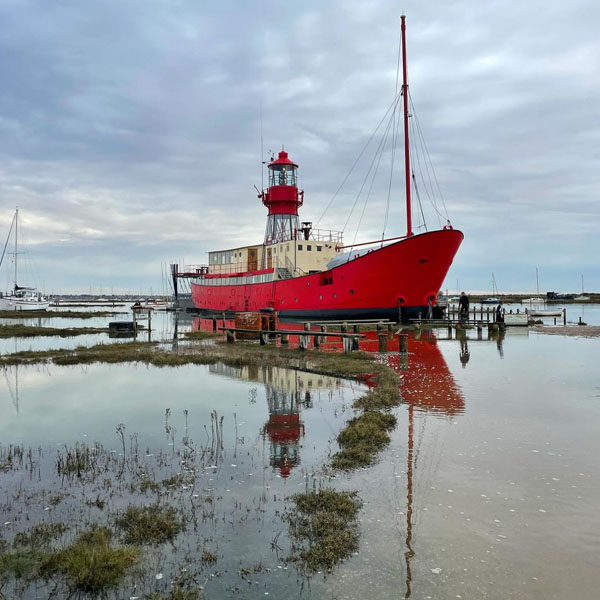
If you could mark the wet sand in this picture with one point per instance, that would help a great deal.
(587, 331)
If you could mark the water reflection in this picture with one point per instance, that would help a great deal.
(287, 392)
(427, 387)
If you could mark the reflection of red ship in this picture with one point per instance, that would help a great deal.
(427, 387)
(287, 392)
(427, 383)
(284, 428)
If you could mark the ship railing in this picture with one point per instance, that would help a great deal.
(293, 270)
(326, 235)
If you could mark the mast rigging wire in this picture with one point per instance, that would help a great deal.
(392, 106)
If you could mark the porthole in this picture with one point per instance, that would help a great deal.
(334, 295)
(352, 292)
(320, 297)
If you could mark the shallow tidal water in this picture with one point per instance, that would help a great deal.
(489, 489)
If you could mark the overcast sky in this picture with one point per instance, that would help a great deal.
(131, 130)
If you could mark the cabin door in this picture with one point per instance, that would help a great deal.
(252, 259)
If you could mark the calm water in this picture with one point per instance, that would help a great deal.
(490, 488)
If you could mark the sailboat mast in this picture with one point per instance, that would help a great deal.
(406, 146)
(16, 240)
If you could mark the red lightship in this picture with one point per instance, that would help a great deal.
(304, 272)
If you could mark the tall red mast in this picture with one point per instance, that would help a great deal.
(406, 149)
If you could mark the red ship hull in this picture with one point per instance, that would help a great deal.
(408, 273)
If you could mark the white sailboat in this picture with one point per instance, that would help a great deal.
(493, 299)
(536, 299)
(582, 297)
(21, 297)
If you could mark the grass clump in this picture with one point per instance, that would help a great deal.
(9, 331)
(178, 593)
(21, 564)
(323, 528)
(201, 335)
(41, 534)
(152, 524)
(91, 563)
(78, 460)
(361, 439)
(208, 558)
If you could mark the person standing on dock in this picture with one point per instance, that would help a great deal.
(463, 303)
(500, 313)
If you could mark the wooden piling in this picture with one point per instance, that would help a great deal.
(285, 339)
(303, 342)
(382, 340)
(403, 343)
(230, 336)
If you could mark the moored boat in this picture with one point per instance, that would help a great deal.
(20, 298)
(303, 272)
(545, 313)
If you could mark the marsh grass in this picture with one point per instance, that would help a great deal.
(178, 593)
(361, 439)
(323, 528)
(201, 335)
(40, 535)
(77, 461)
(154, 524)
(54, 314)
(10, 331)
(91, 563)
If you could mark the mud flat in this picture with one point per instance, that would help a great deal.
(586, 331)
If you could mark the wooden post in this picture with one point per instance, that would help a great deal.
(479, 332)
(403, 343)
(565, 317)
(262, 337)
(150, 325)
(214, 320)
(354, 343)
(382, 339)
(316, 340)
(303, 342)
(285, 339)
(355, 328)
(230, 336)
(449, 331)
(344, 327)
(481, 313)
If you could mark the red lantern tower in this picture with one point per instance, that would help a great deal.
(283, 199)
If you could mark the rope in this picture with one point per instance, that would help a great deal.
(378, 153)
(429, 163)
(7, 239)
(392, 106)
(394, 140)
